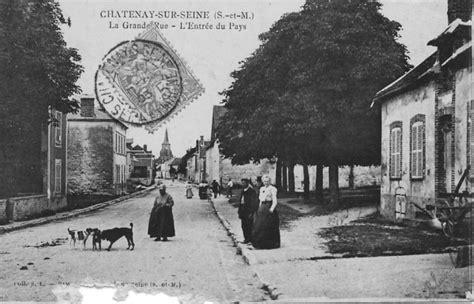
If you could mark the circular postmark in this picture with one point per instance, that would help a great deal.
(138, 82)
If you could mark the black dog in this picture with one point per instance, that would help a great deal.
(96, 239)
(112, 235)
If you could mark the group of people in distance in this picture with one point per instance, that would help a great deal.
(209, 190)
(257, 212)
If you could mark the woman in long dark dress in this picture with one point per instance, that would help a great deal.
(161, 224)
(266, 233)
(189, 190)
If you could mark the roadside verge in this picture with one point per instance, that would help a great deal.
(247, 255)
(69, 214)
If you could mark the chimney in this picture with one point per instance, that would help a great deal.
(87, 107)
(145, 148)
(459, 9)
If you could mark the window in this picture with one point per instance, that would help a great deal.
(116, 143)
(417, 147)
(58, 131)
(119, 146)
(58, 165)
(117, 174)
(396, 150)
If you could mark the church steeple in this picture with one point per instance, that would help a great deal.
(166, 141)
(165, 153)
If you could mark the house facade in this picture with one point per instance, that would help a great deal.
(140, 163)
(427, 123)
(55, 180)
(97, 162)
(40, 182)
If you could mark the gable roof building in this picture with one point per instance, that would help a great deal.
(428, 124)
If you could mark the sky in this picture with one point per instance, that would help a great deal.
(213, 54)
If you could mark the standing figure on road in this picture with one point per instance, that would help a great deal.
(215, 188)
(161, 224)
(189, 190)
(247, 208)
(230, 185)
(266, 230)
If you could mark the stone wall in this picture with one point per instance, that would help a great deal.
(20, 208)
(236, 173)
(90, 158)
(363, 176)
(3, 211)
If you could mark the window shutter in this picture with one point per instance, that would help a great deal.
(57, 176)
(399, 147)
(412, 151)
(392, 160)
(421, 156)
(395, 162)
(472, 140)
(417, 150)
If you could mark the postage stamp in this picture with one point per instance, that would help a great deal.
(141, 81)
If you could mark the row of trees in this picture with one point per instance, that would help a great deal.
(303, 96)
(38, 71)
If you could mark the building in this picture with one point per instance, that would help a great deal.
(169, 169)
(188, 164)
(166, 161)
(165, 153)
(427, 122)
(97, 161)
(37, 184)
(140, 164)
(214, 166)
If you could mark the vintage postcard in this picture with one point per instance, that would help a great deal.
(203, 151)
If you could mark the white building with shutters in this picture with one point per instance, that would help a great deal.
(428, 124)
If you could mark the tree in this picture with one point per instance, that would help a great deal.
(304, 94)
(319, 181)
(38, 72)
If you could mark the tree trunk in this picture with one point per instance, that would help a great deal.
(284, 170)
(291, 178)
(278, 175)
(351, 177)
(306, 181)
(319, 181)
(334, 184)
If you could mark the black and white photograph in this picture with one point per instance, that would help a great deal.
(230, 151)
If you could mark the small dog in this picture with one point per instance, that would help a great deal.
(79, 235)
(112, 235)
(96, 239)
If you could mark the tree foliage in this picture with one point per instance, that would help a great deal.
(304, 94)
(38, 71)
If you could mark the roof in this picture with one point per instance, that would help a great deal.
(409, 79)
(430, 65)
(176, 161)
(137, 148)
(217, 114)
(99, 115)
(189, 153)
(454, 27)
(166, 140)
